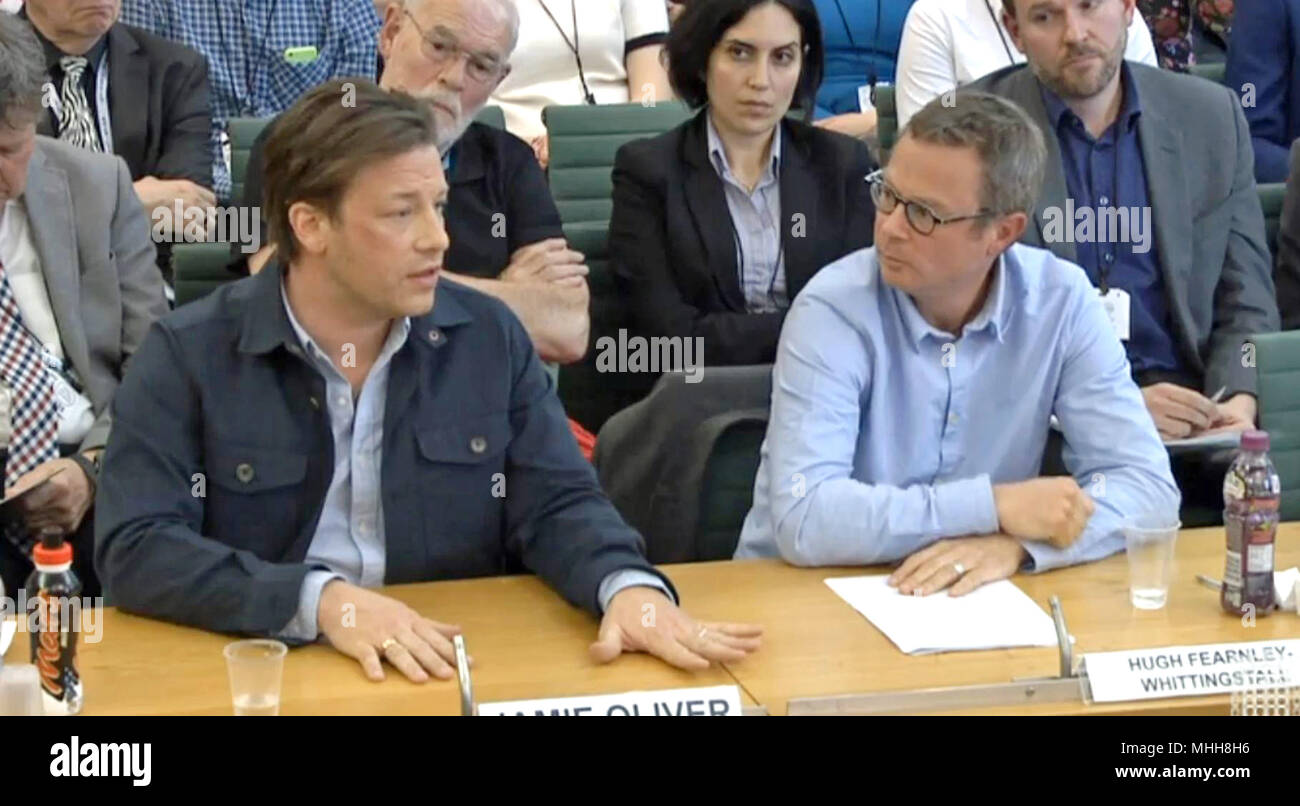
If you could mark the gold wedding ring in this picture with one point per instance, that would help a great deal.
(388, 642)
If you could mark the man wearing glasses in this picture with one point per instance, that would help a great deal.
(506, 237)
(915, 382)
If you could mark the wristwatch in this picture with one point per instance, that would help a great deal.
(89, 466)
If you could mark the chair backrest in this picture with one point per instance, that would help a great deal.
(583, 142)
(728, 489)
(1277, 360)
(1211, 71)
(886, 120)
(491, 116)
(1271, 196)
(200, 268)
(243, 133)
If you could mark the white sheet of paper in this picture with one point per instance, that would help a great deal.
(995, 616)
(1225, 439)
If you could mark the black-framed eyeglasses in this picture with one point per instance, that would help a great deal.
(922, 218)
(441, 51)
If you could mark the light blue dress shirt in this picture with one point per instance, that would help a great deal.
(756, 225)
(887, 434)
(349, 542)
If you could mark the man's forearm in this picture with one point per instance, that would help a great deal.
(555, 316)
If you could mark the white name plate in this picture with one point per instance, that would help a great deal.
(707, 701)
(1188, 671)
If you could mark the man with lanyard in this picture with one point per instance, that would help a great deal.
(123, 91)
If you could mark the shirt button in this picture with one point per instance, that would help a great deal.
(952, 419)
(341, 401)
(1109, 257)
(315, 402)
(244, 472)
(1104, 200)
(478, 444)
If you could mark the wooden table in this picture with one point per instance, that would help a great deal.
(528, 643)
(816, 645)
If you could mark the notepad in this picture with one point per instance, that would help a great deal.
(996, 616)
(1205, 442)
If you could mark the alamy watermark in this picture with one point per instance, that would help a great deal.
(181, 224)
(654, 354)
(1101, 224)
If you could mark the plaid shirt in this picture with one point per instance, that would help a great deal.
(257, 81)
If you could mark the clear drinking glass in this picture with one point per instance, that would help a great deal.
(1150, 540)
(255, 668)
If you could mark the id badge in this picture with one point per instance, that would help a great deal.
(1117, 305)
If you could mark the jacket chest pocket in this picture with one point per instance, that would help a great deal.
(460, 486)
(255, 498)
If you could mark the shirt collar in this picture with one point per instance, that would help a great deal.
(397, 333)
(1129, 111)
(992, 315)
(718, 154)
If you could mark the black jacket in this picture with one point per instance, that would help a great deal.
(480, 473)
(158, 99)
(672, 250)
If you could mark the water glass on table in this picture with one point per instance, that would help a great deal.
(256, 667)
(1150, 541)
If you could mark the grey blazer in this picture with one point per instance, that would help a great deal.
(92, 237)
(1209, 226)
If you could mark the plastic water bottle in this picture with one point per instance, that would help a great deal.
(54, 641)
(1251, 493)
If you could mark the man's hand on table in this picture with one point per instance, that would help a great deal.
(358, 623)
(641, 619)
(983, 559)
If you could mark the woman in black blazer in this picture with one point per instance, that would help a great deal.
(719, 223)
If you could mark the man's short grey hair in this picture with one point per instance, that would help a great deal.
(1009, 144)
(22, 71)
(506, 10)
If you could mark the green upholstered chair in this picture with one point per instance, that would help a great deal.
(200, 268)
(243, 133)
(583, 143)
(886, 120)
(727, 491)
(492, 116)
(1212, 71)
(1277, 359)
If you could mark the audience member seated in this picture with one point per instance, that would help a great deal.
(263, 54)
(950, 43)
(125, 91)
(607, 54)
(1150, 187)
(1175, 24)
(1287, 271)
(505, 231)
(277, 393)
(78, 291)
(915, 382)
(861, 47)
(720, 222)
(1264, 68)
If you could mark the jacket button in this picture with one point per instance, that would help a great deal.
(244, 472)
(478, 444)
(435, 335)
(315, 402)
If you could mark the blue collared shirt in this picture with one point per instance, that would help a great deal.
(887, 434)
(349, 543)
(1109, 171)
(756, 223)
(245, 45)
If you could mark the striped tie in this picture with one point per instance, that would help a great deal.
(33, 410)
(75, 123)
